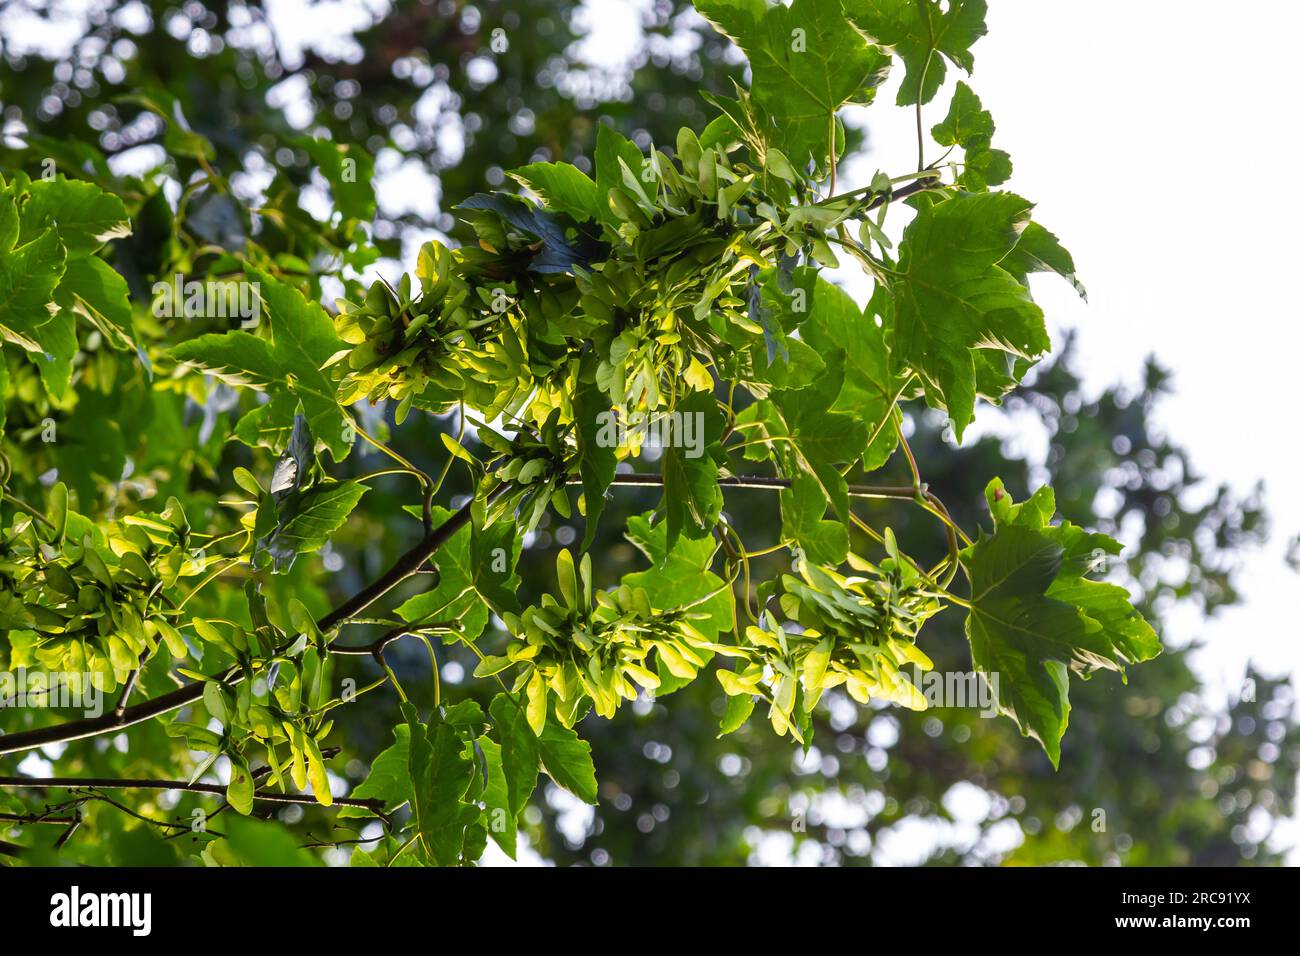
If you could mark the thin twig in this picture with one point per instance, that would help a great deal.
(35, 818)
(24, 506)
(114, 783)
(767, 483)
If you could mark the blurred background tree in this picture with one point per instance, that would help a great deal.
(447, 96)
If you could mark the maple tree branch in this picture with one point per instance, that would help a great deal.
(114, 783)
(764, 482)
(375, 647)
(927, 499)
(36, 818)
(405, 566)
(922, 183)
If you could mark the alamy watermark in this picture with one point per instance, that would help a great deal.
(133, 911)
(661, 429)
(213, 299)
(959, 689)
(71, 690)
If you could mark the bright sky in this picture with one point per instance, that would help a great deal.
(1155, 153)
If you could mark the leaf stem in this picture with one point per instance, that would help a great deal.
(920, 89)
(24, 506)
(830, 189)
(391, 453)
(897, 414)
(216, 573)
(389, 471)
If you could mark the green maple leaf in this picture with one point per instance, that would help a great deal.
(263, 843)
(29, 273)
(1040, 251)
(237, 358)
(441, 775)
(454, 597)
(308, 518)
(476, 574)
(807, 62)
(803, 510)
(562, 187)
(871, 383)
(1035, 615)
(952, 297)
(679, 575)
(519, 759)
(692, 499)
(494, 553)
(820, 440)
(1082, 553)
(270, 425)
(85, 216)
(924, 33)
(303, 342)
(613, 151)
(971, 127)
(61, 223)
(389, 778)
(59, 341)
(503, 825)
(808, 439)
(564, 756)
(94, 290)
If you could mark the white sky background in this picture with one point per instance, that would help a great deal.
(1153, 150)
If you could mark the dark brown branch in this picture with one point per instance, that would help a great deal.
(66, 835)
(916, 186)
(123, 808)
(930, 179)
(404, 567)
(376, 647)
(36, 818)
(131, 680)
(113, 783)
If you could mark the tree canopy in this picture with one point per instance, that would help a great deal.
(614, 440)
